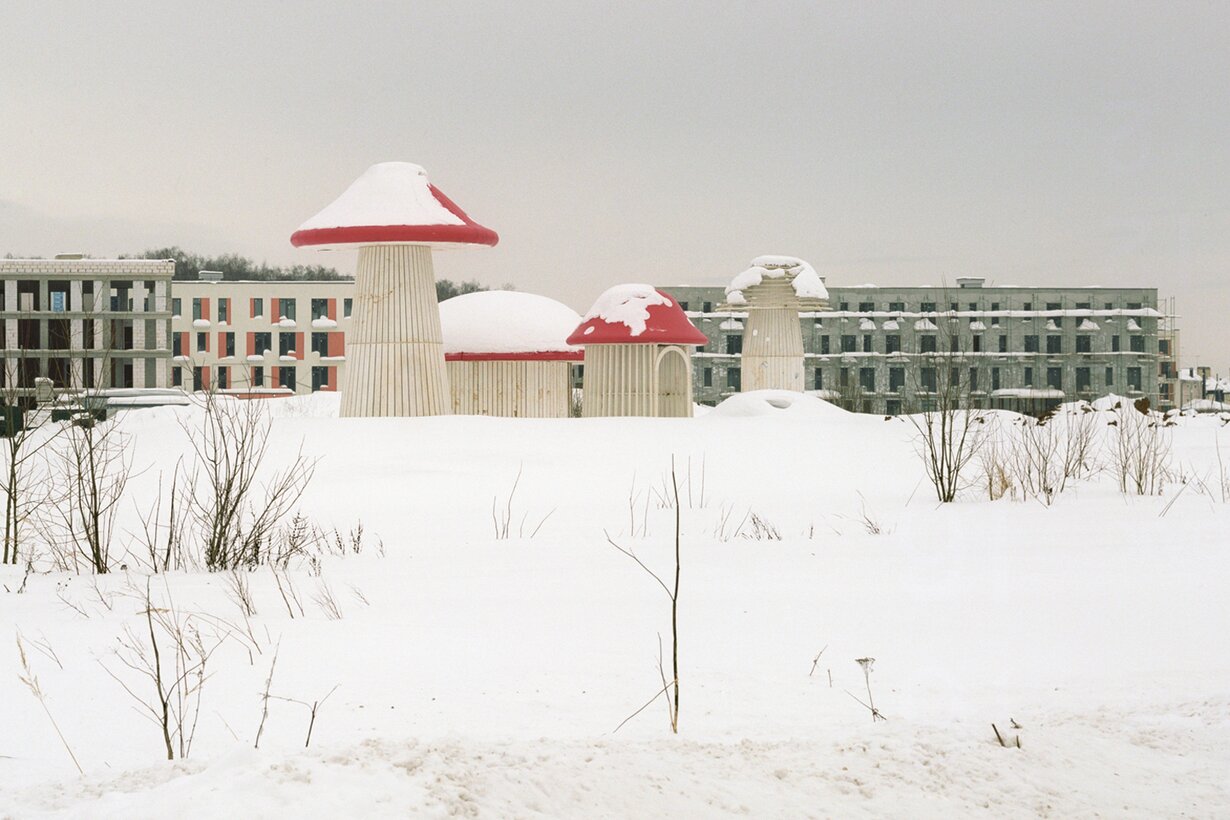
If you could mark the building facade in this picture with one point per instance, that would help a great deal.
(265, 338)
(84, 323)
(884, 349)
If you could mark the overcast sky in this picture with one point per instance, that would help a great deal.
(1033, 144)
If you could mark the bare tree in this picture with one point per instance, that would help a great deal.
(947, 423)
(23, 478)
(1139, 450)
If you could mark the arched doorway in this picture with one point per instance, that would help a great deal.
(674, 383)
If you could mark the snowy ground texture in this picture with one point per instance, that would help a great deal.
(483, 677)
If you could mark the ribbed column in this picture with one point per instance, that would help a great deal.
(394, 352)
(772, 350)
(518, 389)
(620, 380)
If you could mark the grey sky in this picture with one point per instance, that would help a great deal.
(609, 142)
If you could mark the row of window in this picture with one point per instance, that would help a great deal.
(286, 308)
(322, 378)
(928, 343)
(262, 343)
(958, 378)
(932, 307)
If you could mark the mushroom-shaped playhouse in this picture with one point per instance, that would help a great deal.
(638, 354)
(773, 290)
(395, 217)
(506, 354)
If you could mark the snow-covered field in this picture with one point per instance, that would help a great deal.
(484, 677)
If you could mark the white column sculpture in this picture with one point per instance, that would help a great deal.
(394, 216)
(773, 290)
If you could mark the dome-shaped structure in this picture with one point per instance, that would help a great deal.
(394, 216)
(506, 354)
(638, 360)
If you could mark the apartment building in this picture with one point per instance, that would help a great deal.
(263, 338)
(881, 349)
(84, 323)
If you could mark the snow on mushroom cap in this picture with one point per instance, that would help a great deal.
(803, 278)
(392, 202)
(636, 313)
(506, 324)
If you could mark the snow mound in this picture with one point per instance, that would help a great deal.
(628, 305)
(388, 193)
(506, 321)
(775, 403)
(803, 278)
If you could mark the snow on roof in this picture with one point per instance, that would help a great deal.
(507, 324)
(803, 278)
(636, 313)
(392, 202)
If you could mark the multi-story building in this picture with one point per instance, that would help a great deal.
(883, 349)
(259, 338)
(84, 323)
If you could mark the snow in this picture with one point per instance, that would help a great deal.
(627, 305)
(388, 193)
(1132, 324)
(977, 326)
(731, 324)
(506, 321)
(892, 324)
(803, 278)
(866, 325)
(1087, 324)
(284, 322)
(200, 323)
(323, 323)
(483, 677)
(925, 324)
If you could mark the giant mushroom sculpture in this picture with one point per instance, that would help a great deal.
(638, 354)
(395, 217)
(773, 290)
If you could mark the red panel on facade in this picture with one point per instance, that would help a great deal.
(331, 309)
(298, 345)
(251, 344)
(274, 373)
(273, 311)
(205, 308)
(336, 345)
(331, 380)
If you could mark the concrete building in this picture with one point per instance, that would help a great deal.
(259, 338)
(878, 349)
(85, 323)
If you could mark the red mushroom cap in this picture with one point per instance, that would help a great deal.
(392, 203)
(636, 314)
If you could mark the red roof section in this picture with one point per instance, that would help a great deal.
(667, 325)
(538, 356)
(469, 233)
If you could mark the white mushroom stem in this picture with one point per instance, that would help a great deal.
(395, 353)
(773, 350)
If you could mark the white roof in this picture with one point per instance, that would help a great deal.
(803, 278)
(388, 193)
(506, 321)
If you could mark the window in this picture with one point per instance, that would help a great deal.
(286, 377)
(1031, 344)
(176, 303)
(995, 319)
(926, 377)
(953, 343)
(1054, 344)
(229, 341)
(847, 344)
(843, 377)
(320, 378)
(896, 379)
(819, 379)
(224, 381)
(320, 309)
(1133, 378)
(1003, 344)
(1114, 344)
(287, 308)
(825, 346)
(707, 377)
(866, 307)
(1029, 306)
(1084, 343)
(1136, 344)
(867, 379)
(262, 343)
(927, 307)
(683, 306)
(196, 309)
(258, 308)
(1163, 347)
(202, 342)
(843, 306)
(926, 344)
(734, 378)
(973, 379)
(953, 307)
(320, 344)
(1134, 305)
(347, 304)
(198, 378)
(1056, 319)
(892, 343)
(896, 307)
(1054, 378)
(1110, 377)
(1110, 305)
(1084, 381)
(866, 344)
(286, 344)
(1029, 377)
(973, 307)
(706, 307)
(224, 310)
(258, 377)
(734, 344)
(177, 377)
(177, 345)
(994, 378)
(977, 344)
(892, 407)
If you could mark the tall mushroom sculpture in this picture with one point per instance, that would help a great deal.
(395, 217)
(638, 354)
(773, 290)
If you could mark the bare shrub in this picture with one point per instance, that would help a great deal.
(239, 590)
(327, 601)
(1139, 449)
(30, 680)
(947, 427)
(502, 515)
